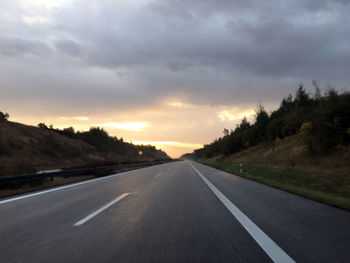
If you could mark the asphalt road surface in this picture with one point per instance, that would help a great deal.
(174, 212)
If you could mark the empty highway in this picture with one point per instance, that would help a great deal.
(175, 212)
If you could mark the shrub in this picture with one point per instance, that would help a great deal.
(306, 137)
(43, 126)
(4, 116)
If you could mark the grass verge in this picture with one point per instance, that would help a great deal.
(291, 180)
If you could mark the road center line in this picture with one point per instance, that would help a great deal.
(157, 175)
(85, 219)
(264, 241)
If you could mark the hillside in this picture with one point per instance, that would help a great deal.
(26, 148)
(288, 165)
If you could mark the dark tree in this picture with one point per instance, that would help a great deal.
(43, 126)
(302, 99)
(4, 116)
(225, 132)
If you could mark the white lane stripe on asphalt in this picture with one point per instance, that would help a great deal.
(265, 242)
(85, 219)
(68, 186)
(157, 175)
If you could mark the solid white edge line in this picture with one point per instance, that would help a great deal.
(69, 185)
(85, 219)
(157, 175)
(264, 241)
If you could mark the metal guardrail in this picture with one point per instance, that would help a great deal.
(72, 172)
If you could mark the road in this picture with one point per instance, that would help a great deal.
(175, 212)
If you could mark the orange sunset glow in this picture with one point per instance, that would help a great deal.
(172, 128)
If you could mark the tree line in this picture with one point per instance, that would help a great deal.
(103, 142)
(96, 137)
(322, 123)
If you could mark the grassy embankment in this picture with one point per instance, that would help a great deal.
(27, 149)
(287, 166)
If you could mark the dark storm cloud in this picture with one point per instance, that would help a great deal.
(69, 47)
(281, 49)
(267, 39)
(196, 8)
(324, 4)
(207, 52)
(15, 46)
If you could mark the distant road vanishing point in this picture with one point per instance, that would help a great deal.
(174, 212)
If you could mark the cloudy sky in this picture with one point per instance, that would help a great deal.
(171, 73)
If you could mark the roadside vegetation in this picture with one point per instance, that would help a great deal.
(288, 166)
(302, 147)
(26, 149)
